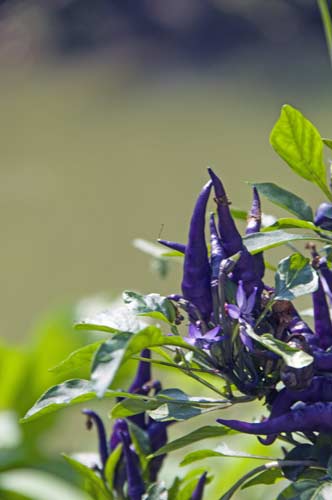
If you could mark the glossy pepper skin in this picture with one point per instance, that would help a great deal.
(178, 247)
(94, 418)
(323, 325)
(323, 216)
(196, 267)
(315, 417)
(136, 487)
(217, 251)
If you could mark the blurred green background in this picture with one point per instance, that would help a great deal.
(109, 114)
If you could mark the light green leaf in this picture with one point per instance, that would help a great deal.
(238, 213)
(112, 320)
(208, 431)
(111, 464)
(284, 199)
(156, 491)
(295, 358)
(222, 451)
(294, 277)
(78, 359)
(69, 393)
(289, 223)
(259, 242)
(107, 361)
(153, 305)
(300, 145)
(93, 484)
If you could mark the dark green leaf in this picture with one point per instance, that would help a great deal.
(78, 359)
(93, 484)
(295, 358)
(295, 277)
(156, 491)
(269, 476)
(259, 242)
(289, 223)
(306, 489)
(153, 305)
(285, 199)
(299, 143)
(208, 431)
(107, 361)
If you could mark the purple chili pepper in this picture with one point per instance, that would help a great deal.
(199, 490)
(255, 214)
(196, 268)
(135, 481)
(323, 361)
(314, 417)
(157, 432)
(229, 234)
(323, 325)
(119, 426)
(323, 216)
(94, 418)
(320, 389)
(178, 247)
(217, 250)
(143, 374)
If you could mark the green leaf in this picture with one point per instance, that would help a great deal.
(208, 431)
(284, 199)
(300, 145)
(328, 143)
(111, 464)
(156, 491)
(269, 476)
(153, 305)
(78, 359)
(238, 213)
(295, 277)
(93, 484)
(289, 223)
(306, 489)
(107, 361)
(259, 242)
(129, 407)
(295, 358)
(221, 451)
(113, 320)
(69, 393)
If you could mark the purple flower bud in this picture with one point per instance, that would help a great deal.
(94, 418)
(308, 418)
(135, 481)
(196, 268)
(198, 491)
(323, 217)
(178, 247)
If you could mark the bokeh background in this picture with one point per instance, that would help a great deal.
(110, 112)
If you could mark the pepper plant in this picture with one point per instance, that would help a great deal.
(232, 330)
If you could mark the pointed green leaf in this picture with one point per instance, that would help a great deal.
(289, 223)
(284, 199)
(153, 305)
(156, 491)
(295, 277)
(222, 451)
(268, 476)
(111, 464)
(295, 358)
(259, 242)
(306, 489)
(300, 145)
(208, 431)
(77, 359)
(112, 320)
(328, 143)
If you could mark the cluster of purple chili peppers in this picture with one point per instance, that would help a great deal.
(130, 480)
(224, 295)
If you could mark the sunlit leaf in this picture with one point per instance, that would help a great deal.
(284, 199)
(294, 277)
(289, 223)
(153, 305)
(221, 451)
(300, 145)
(258, 242)
(93, 484)
(78, 359)
(111, 464)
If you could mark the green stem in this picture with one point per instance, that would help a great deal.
(327, 24)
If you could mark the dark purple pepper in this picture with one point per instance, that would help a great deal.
(157, 432)
(229, 234)
(322, 320)
(119, 426)
(135, 481)
(178, 247)
(323, 216)
(255, 214)
(326, 273)
(217, 250)
(199, 490)
(143, 374)
(322, 361)
(196, 268)
(94, 418)
(320, 389)
(314, 417)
